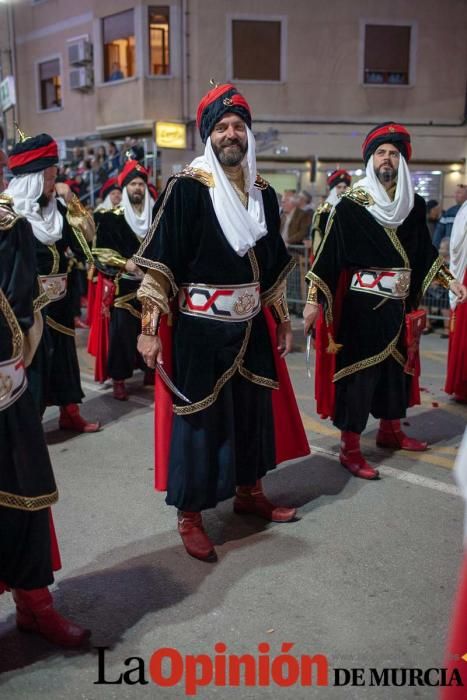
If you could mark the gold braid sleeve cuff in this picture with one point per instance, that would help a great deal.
(444, 277)
(79, 217)
(153, 294)
(280, 310)
(312, 296)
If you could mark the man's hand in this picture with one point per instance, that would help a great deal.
(459, 290)
(63, 191)
(150, 347)
(284, 338)
(310, 314)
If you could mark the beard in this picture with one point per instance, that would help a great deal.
(43, 200)
(230, 153)
(135, 198)
(386, 174)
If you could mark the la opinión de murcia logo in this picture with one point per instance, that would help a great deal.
(168, 668)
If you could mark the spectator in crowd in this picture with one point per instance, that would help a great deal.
(113, 160)
(433, 215)
(444, 226)
(3, 160)
(294, 221)
(304, 204)
(116, 73)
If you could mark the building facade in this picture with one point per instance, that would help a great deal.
(318, 75)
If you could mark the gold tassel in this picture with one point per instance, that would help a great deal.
(21, 134)
(213, 82)
(333, 347)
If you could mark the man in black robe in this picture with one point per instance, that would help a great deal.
(27, 484)
(338, 181)
(215, 245)
(59, 223)
(119, 232)
(373, 266)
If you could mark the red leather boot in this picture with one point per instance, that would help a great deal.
(352, 459)
(194, 537)
(35, 613)
(70, 419)
(390, 434)
(119, 390)
(251, 499)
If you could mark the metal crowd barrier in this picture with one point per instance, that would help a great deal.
(435, 301)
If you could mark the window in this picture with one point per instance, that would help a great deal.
(387, 55)
(256, 49)
(50, 84)
(118, 33)
(159, 57)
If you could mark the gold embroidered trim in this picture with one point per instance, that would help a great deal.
(323, 208)
(392, 233)
(261, 183)
(432, 272)
(359, 195)
(369, 361)
(256, 379)
(160, 267)
(121, 303)
(40, 301)
(321, 284)
(8, 217)
(83, 243)
(15, 328)
(254, 264)
(154, 225)
(398, 356)
(58, 327)
(29, 503)
(209, 400)
(269, 296)
(199, 174)
(109, 256)
(55, 259)
(444, 277)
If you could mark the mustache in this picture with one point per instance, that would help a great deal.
(230, 142)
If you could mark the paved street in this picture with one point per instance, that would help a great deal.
(365, 576)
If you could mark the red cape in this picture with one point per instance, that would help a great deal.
(98, 340)
(457, 645)
(326, 361)
(456, 378)
(290, 437)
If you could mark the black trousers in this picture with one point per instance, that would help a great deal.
(25, 560)
(123, 356)
(382, 390)
(229, 444)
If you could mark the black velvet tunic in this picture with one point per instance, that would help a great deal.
(55, 372)
(187, 245)
(27, 485)
(114, 234)
(371, 327)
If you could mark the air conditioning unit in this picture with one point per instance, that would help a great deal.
(81, 78)
(79, 52)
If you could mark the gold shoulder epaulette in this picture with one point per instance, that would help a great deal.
(8, 216)
(359, 196)
(261, 183)
(118, 211)
(323, 208)
(197, 174)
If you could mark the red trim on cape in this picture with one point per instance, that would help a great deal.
(290, 437)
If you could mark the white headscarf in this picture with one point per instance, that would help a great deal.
(388, 212)
(333, 197)
(458, 249)
(139, 223)
(241, 227)
(46, 222)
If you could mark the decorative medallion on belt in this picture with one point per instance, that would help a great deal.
(54, 288)
(402, 284)
(244, 304)
(227, 102)
(6, 385)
